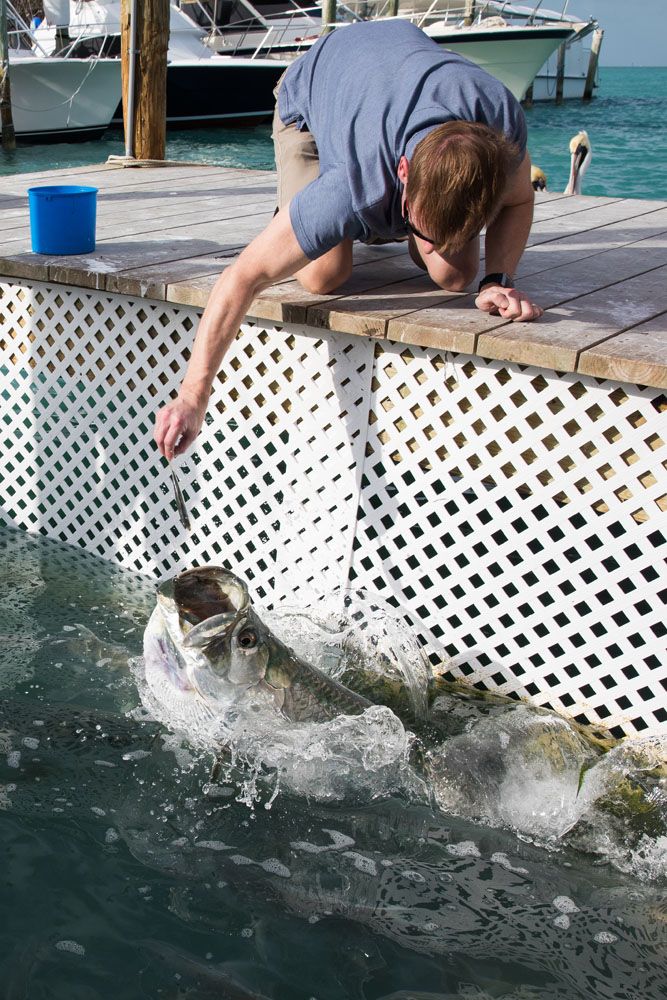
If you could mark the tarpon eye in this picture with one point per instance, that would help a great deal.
(247, 639)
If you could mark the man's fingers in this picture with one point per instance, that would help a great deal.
(510, 304)
(175, 439)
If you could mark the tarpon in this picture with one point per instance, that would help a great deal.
(210, 643)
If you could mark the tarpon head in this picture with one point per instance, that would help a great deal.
(206, 642)
(207, 634)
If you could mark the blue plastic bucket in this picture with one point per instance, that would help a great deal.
(62, 218)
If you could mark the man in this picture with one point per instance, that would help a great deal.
(379, 135)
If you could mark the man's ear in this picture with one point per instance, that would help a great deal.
(403, 168)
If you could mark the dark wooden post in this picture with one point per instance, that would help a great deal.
(146, 135)
(6, 119)
(596, 43)
(328, 16)
(469, 11)
(560, 74)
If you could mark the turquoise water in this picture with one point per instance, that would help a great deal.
(625, 122)
(626, 125)
(127, 875)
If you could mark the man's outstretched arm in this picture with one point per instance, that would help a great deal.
(272, 256)
(506, 239)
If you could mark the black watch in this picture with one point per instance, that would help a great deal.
(502, 279)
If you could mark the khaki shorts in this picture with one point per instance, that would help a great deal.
(298, 163)
(297, 159)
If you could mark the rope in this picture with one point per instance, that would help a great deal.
(130, 161)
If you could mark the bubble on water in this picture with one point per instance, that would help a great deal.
(415, 877)
(605, 937)
(98, 811)
(14, 759)
(565, 905)
(362, 863)
(467, 848)
(339, 841)
(111, 836)
(275, 867)
(136, 755)
(213, 845)
(562, 921)
(73, 947)
(105, 763)
(30, 742)
(501, 859)
(241, 859)
(247, 932)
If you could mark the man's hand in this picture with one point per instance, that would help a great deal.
(509, 303)
(178, 424)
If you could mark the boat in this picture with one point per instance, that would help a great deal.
(577, 52)
(203, 88)
(512, 52)
(58, 99)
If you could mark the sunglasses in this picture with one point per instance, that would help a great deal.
(413, 229)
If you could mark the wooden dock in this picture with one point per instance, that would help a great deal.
(598, 265)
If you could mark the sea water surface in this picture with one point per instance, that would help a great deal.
(625, 123)
(127, 873)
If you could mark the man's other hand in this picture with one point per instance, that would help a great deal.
(509, 303)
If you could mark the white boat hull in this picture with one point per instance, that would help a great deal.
(512, 55)
(61, 100)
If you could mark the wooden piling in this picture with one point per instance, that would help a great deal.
(328, 16)
(149, 126)
(560, 74)
(594, 57)
(469, 11)
(6, 119)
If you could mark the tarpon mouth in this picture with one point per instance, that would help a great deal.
(204, 593)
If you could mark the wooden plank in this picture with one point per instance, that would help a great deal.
(565, 331)
(369, 313)
(153, 280)
(563, 283)
(639, 355)
(287, 301)
(108, 176)
(566, 204)
(593, 218)
(581, 245)
(455, 326)
(450, 325)
(126, 222)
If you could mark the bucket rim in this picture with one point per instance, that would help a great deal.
(47, 190)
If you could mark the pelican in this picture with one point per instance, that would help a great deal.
(538, 179)
(580, 157)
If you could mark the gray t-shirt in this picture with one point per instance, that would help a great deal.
(369, 93)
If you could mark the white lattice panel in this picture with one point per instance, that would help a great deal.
(515, 511)
(518, 513)
(271, 485)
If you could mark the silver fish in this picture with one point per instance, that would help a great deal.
(180, 502)
(208, 640)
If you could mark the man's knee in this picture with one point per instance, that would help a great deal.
(457, 279)
(329, 272)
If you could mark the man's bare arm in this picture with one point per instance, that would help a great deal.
(506, 238)
(272, 256)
